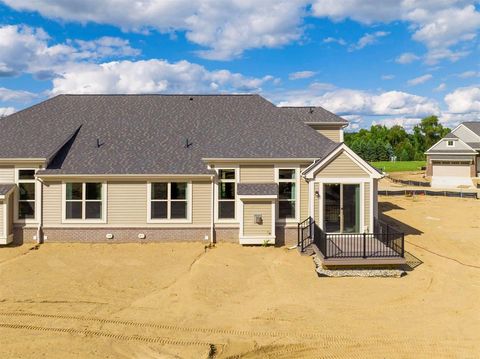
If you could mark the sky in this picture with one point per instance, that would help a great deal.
(371, 64)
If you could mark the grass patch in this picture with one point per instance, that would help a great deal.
(399, 166)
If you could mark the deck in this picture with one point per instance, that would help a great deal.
(385, 246)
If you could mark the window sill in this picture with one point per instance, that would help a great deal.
(80, 221)
(169, 221)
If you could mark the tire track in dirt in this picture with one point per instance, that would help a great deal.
(319, 338)
(102, 334)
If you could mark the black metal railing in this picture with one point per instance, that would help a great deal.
(384, 242)
(305, 233)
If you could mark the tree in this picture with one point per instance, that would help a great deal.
(379, 143)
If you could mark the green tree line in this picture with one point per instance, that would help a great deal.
(380, 143)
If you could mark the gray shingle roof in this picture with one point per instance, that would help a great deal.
(450, 135)
(475, 145)
(473, 125)
(257, 189)
(4, 188)
(146, 134)
(313, 115)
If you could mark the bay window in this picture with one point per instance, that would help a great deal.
(287, 190)
(226, 194)
(83, 201)
(169, 201)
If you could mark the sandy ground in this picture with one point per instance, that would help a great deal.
(176, 300)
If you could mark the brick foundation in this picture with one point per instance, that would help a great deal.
(285, 236)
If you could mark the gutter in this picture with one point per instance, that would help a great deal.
(40, 214)
(212, 217)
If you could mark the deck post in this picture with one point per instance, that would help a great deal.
(364, 245)
(403, 245)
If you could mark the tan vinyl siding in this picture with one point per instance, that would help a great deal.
(7, 174)
(303, 198)
(127, 206)
(202, 203)
(52, 204)
(127, 203)
(458, 145)
(331, 133)
(3, 213)
(250, 228)
(367, 206)
(341, 167)
(256, 174)
(466, 134)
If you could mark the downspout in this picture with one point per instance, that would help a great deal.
(40, 214)
(212, 214)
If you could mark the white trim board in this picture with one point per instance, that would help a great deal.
(313, 169)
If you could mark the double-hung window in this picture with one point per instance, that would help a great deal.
(26, 196)
(226, 194)
(83, 201)
(287, 190)
(169, 201)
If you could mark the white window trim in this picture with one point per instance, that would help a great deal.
(297, 193)
(359, 181)
(237, 201)
(17, 196)
(450, 145)
(83, 220)
(168, 220)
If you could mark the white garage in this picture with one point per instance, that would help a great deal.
(451, 174)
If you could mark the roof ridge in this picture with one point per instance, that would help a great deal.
(158, 94)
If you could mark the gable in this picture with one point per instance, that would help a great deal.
(459, 146)
(341, 166)
(465, 134)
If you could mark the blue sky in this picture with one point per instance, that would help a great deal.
(389, 64)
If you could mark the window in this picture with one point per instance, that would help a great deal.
(450, 144)
(83, 201)
(26, 198)
(286, 193)
(226, 194)
(168, 200)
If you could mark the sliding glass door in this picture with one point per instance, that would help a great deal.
(341, 208)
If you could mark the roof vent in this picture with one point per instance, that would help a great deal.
(191, 98)
(99, 144)
(188, 144)
(311, 110)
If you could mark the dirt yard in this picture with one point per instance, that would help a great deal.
(176, 300)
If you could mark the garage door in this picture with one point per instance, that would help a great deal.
(457, 170)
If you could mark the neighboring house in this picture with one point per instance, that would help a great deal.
(178, 167)
(454, 160)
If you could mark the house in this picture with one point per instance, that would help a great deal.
(234, 168)
(455, 159)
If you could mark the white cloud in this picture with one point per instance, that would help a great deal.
(368, 39)
(469, 74)
(5, 111)
(439, 25)
(362, 103)
(339, 41)
(388, 77)
(407, 123)
(15, 95)
(441, 87)
(464, 100)
(420, 80)
(225, 28)
(27, 49)
(406, 58)
(301, 75)
(152, 76)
